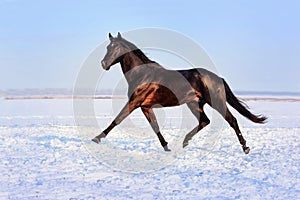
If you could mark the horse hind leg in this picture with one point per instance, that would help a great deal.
(198, 112)
(233, 123)
(219, 104)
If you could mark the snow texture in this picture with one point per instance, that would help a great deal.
(44, 155)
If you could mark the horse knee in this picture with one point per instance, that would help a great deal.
(204, 120)
(203, 123)
(207, 121)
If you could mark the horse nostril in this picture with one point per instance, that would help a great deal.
(103, 63)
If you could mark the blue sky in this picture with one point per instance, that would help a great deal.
(254, 44)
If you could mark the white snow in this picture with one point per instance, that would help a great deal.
(45, 156)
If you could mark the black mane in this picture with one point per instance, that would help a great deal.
(142, 56)
(134, 49)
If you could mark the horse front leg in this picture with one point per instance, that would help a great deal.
(127, 109)
(149, 114)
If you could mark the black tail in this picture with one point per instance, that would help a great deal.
(240, 106)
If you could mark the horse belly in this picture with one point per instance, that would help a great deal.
(161, 97)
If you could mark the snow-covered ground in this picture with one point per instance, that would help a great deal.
(44, 155)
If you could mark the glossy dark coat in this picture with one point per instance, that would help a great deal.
(150, 85)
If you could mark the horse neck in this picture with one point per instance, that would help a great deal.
(130, 61)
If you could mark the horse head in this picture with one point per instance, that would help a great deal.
(115, 50)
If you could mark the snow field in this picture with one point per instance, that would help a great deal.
(45, 156)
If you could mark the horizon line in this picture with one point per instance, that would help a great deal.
(70, 91)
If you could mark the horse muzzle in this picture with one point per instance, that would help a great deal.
(104, 65)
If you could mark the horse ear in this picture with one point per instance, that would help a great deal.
(119, 35)
(110, 36)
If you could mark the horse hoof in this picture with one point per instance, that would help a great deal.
(96, 140)
(246, 150)
(166, 148)
(184, 144)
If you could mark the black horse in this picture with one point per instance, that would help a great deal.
(151, 85)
